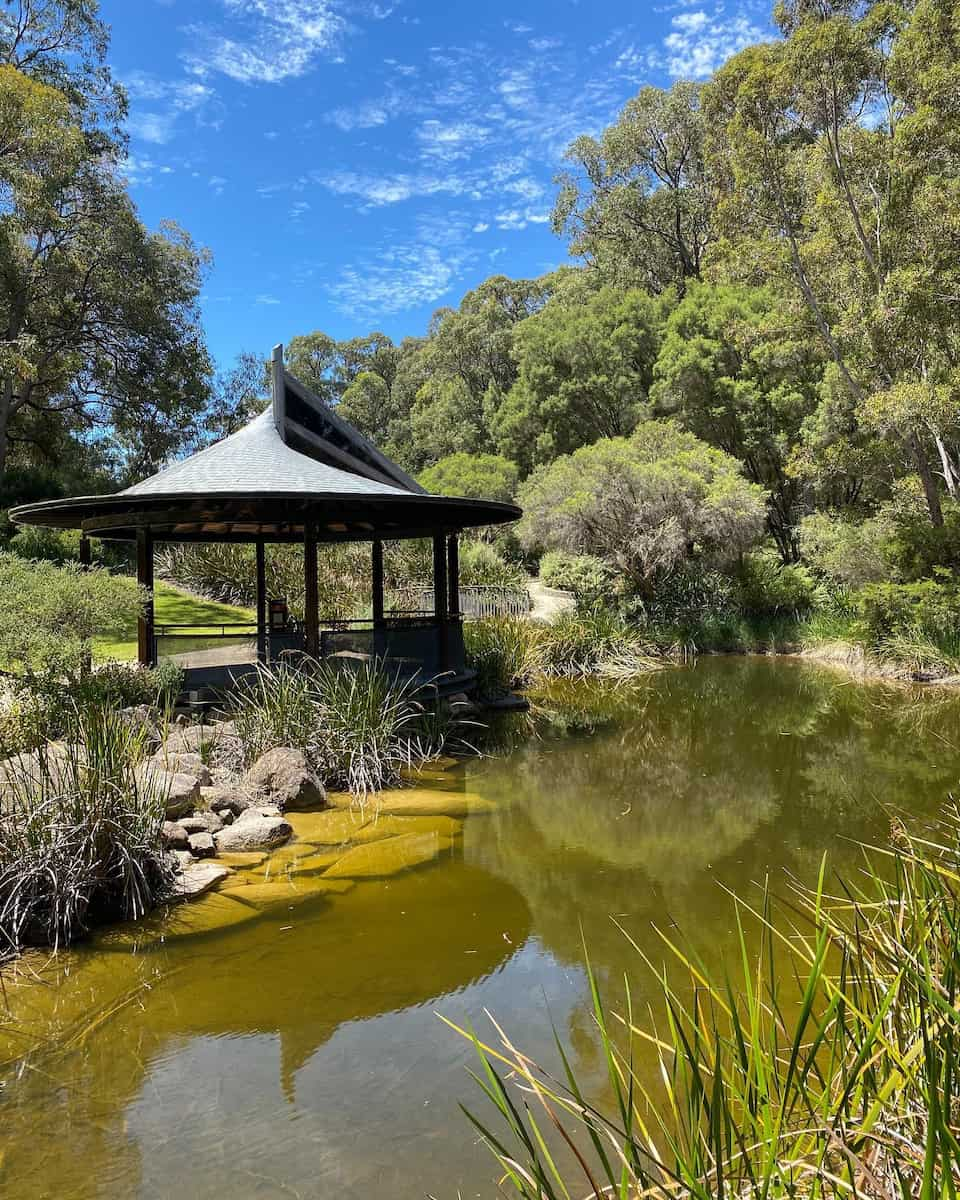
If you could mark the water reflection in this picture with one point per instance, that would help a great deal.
(299, 1054)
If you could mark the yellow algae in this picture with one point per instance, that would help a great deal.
(428, 801)
(283, 857)
(279, 893)
(316, 864)
(332, 827)
(210, 914)
(241, 860)
(388, 857)
(390, 826)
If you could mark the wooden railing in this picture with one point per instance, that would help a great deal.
(476, 600)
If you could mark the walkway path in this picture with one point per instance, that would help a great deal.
(548, 602)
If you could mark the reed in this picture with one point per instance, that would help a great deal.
(822, 1064)
(80, 834)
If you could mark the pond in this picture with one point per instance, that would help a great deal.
(300, 1054)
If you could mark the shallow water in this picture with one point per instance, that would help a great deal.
(298, 1052)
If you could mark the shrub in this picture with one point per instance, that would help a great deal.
(50, 615)
(80, 835)
(765, 586)
(924, 612)
(847, 553)
(587, 576)
(478, 476)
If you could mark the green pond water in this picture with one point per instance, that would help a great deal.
(297, 1051)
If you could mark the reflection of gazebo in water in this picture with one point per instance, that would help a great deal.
(296, 473)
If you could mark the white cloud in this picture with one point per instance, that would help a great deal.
(217, 183)
(298, 208)
(158, 104)
(481, 227)
(697, 44)
(266, 298)
(520, 218)
(379, 190)
(452, 140)
(265, 41)
(402, 278)
(367, 115)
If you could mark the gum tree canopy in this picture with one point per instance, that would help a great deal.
(643, 503)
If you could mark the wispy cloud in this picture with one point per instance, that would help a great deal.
(402, 278)
(158, 104)
(265, 41)
(379, 190)
(697, 44)
(447, 141)
(266, 298)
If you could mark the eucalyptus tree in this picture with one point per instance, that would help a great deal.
(836, 153)
(637, 202)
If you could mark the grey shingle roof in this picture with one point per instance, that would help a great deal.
(256, 460)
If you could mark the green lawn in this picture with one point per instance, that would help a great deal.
(173, 607)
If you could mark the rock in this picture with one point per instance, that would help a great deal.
(315, 864)
(333, 827)
(260, 810)
(144, 720)
(219, 797)
(191, 739)
(225, 815)
(182, 792)
(184, 764)
(198, 878)
(243, 861)
(184, 859)
(415, 801)
(398, 826)
(202, 845)
(388, 857)
(283, 893)
(253, 832)
(174, 836)
(285, 775)
(462, 706)
(202, 822)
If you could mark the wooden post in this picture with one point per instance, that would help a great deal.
(453, 574)
(440, 597)
(261, 602)
(311, 601)
(86, 557)
(376, 562)
(146, 648)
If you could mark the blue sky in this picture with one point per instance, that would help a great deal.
(355, 164)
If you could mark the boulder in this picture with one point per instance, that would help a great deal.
(190, 739)
(285, 775)
(197, 879)
(174, 836)
(144, 720)
(333, 827)
(285, 893)
(225, 815)
(184, 763)
(201, 822)
(253, 832)
(388, 857)
(219, 797)
(202, 845)
(182, 792)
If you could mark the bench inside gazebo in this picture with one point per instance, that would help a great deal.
(296, 473)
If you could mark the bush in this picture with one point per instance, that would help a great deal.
(847, 553)
(80, 836)
(765, 586)
(587, 576)
(927, 611)
(594, 641)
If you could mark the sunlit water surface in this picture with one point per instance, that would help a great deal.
(301, 1055)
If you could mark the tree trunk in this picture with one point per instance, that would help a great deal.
(949, 471)
(928, 480)
(6, 397)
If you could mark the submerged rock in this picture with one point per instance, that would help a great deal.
(428, 801)
(333, 827)
(285, 892)
(243, 860)
(285, 775)
(388, 857)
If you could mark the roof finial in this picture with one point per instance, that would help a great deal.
(278, 390)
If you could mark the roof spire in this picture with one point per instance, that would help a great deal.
(279, 391)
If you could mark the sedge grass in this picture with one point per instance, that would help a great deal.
(822, 1064)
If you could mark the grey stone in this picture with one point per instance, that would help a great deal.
(143, 719)
(174, 836)
(191, 739)
(253, 831)
(202, 845)
(182, 792)
(285, 775)
(219, 797)
(197, 879)
(201, 822)
(183, 859)
(184, 763)
(226, 816)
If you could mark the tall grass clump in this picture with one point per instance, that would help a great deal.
(594, 641)
(502, 652)
(358, 724)
(80, 834)
(824, 1063)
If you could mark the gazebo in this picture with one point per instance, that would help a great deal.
(296, 473)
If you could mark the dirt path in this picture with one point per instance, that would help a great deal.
(548, 602)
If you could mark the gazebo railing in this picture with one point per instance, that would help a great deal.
(476, 600)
